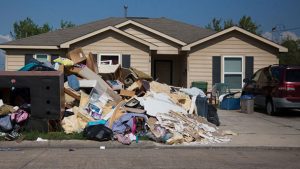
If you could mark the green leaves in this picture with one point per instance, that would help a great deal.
(26, 28)
(292, 57)
(66, 24)
(245, 22)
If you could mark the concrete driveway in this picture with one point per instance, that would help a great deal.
(261, 130)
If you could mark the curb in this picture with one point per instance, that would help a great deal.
(75, 144)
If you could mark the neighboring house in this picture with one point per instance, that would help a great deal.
(2, 60)
(174, 52)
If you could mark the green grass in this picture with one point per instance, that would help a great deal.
(33, 135)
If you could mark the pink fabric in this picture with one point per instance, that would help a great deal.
(133, 130)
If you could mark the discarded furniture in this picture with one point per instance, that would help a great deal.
(217, 90)
(42, 89)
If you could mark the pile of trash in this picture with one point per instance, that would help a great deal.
(112, 102)
(12, 119)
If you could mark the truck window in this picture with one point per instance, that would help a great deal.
(292, 75)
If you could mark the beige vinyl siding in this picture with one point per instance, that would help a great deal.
(164, 46)
(15, 59)
(14, 62)
(114, 43)
(232, 44)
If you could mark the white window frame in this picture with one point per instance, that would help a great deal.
(108, 54)
(233, 73)
(48, 56)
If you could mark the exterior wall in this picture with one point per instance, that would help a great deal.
(232, 44)
(164, 46)
(15, 59)
(114, 43)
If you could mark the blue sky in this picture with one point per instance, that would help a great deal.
(267, 13)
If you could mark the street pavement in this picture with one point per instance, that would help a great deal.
(92, 158)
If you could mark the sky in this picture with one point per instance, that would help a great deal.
(283, 14)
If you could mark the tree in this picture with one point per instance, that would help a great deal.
(24, 29)
(27, 27)
(45, 28)
(248, 24)
(245, 22)
(215, 25)
(66, 24)
(228, 23)
(292, 57)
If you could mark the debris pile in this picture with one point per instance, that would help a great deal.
(125, 104)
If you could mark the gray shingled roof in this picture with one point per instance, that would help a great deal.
(178, 30)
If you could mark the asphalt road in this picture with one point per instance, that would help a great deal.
(149, 158)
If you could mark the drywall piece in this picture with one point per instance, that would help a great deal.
(101, 86)
(87, 83)
(117, 113)
(103, 68)
(159, 88)
(76, 55)
(71, 92)
(127, 93)
(159, 103)
(84, 99)
(92, 63)
(134, 110)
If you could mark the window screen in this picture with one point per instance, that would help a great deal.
(42, 57)
(233, 72)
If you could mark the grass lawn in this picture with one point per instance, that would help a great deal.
(52, 136)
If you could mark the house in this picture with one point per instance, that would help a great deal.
(173, 52)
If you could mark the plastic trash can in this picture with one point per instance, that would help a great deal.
(247, 104)
(230, 104)
(200, 85)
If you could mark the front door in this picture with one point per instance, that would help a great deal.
(163, 71)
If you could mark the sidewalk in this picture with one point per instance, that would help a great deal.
(255, 130)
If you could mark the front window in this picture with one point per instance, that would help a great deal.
(109, 59)
(42, 57)
(233, 72)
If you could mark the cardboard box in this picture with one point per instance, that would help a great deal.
(76, 55)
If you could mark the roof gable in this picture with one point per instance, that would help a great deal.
(67, 44)
(151, 30)
(235, 28)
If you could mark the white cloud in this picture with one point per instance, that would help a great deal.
(280, 36)
(5, 38)
(289, 35)
(268, 35)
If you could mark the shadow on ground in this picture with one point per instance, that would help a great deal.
(288, 113)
